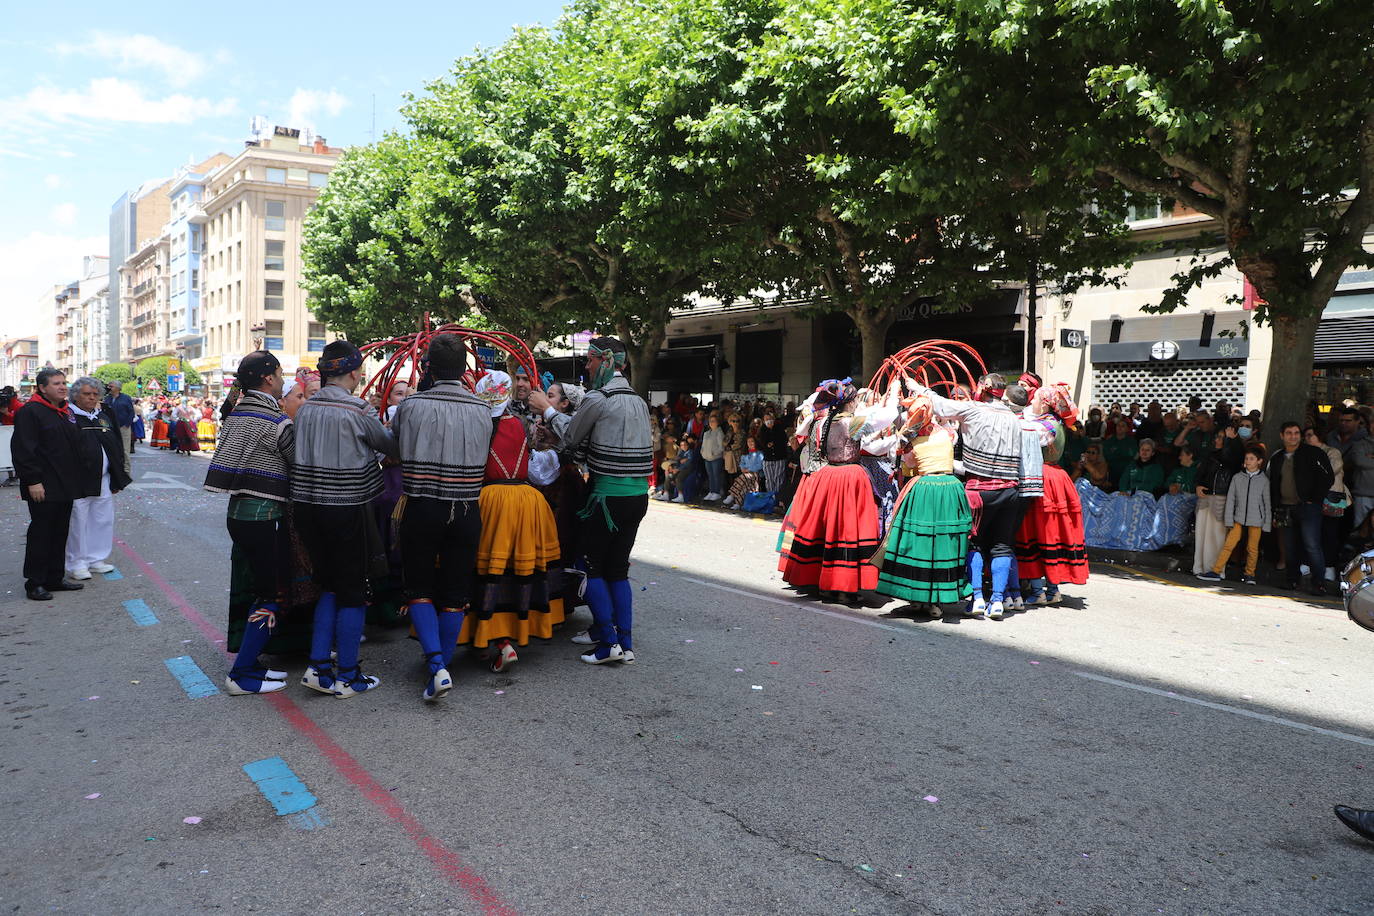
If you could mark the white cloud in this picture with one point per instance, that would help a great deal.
(142, 52)
(31, 264)
(305, 104)
(109, 99)
(52, 181)
(64, 215)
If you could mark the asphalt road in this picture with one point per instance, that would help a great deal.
(1147, 748)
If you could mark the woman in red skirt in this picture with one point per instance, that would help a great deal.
(1050, 549)
(832, 526)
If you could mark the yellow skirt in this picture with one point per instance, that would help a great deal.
(206, 432)
(519, 543)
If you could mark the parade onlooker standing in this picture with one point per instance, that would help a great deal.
(252, 463)
(776, 450)
(1300, 476)
(122, 407)
(9, 406)
(1120, 448)
(1336, 504)
(713, 456)
(441, 525)
(1248, 513)
(1359, 477)
(46, 450)
(335, 479)
(90, 537)
(614, 422)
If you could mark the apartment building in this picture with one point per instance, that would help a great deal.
(145, 282)
(135, 218)
(81, 319)
(18, 362)
(253, 209)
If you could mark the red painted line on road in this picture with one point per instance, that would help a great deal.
(443, 858)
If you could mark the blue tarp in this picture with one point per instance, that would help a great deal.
(1134, 521)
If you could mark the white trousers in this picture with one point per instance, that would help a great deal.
(91, 536)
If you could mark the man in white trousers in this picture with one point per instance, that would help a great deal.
(91, 536)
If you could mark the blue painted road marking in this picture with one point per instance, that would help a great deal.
(287, 794)
(309, 819)
(142, 614)
(114, 575)
(192, 679)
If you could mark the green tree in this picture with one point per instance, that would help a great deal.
(803, 152)
(155, 367)
(115, 372)
(1258, 115)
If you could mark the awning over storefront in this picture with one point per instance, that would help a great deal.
(1346, 333)
(1170, 338)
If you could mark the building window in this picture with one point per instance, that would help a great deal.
(296, 175)
(273, 301)
(275, 257)
(276, 175)
(195, 278)
(276, 216)
(273, 339)
(1143, 209)
(316, 341)
(317, 179)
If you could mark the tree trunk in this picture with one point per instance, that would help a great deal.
(873, 328)
(643, 351)
(1288, 387)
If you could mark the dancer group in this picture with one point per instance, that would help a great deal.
(936, 499)
(478, 541)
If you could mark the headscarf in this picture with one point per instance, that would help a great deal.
(612, 362)
(288, 386)
(341, 365)
(834, 391)
(495, 388)
(574, 393)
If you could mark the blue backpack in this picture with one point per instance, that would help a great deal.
(759, 502)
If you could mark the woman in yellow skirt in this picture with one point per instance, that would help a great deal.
(519, 542)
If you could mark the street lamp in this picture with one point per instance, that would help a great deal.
(1033, 223)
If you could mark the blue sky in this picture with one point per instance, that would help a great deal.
(96, 98)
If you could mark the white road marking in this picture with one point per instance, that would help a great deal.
(159, 482)
(1169, 695)
(1263, 717)
(799, 606)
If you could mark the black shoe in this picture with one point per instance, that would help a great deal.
(1358, 820)
(66, 586)
(38, 594)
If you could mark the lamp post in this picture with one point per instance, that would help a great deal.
(1033, 223)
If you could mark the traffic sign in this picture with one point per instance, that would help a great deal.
(174, 383)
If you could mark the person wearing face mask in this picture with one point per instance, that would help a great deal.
(91, 536)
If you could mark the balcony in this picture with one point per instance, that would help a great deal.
(141, 288)
(140, 320)
(197, 215)
(140, 352)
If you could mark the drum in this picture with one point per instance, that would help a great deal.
(1357, 589)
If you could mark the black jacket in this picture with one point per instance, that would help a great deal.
(773, 442)
(47, 450)
(1311, 472)
(101, 433)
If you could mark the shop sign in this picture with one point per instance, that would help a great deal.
(1162, 351)
(1072, 340)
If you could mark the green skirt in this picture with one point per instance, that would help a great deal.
(924, 558)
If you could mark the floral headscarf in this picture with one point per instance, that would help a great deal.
(495, 388)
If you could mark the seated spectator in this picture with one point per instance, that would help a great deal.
(750, 474)
(1093, 468)
(685, 471)
(1094, 428)
(668, 469)
(1144, 475)
(1183, 478)
(1120, 448)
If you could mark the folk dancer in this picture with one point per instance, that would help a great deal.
(252, 463)
(335, 477)
(442, 433)
(613, 421)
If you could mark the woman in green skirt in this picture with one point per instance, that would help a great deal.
(923, 558)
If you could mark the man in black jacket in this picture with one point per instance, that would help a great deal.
(1300, 476)
(91, 535)
(46, 450)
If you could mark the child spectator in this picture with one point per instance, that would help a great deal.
(1183, 478)
(1248, 510)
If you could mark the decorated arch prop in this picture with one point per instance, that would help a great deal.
(401, 356)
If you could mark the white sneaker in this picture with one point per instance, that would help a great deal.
(360, 684)
(712, 497)
(232, 687)
(439, 684)
(729, 502)
(1305, 569)
(79, 573)
(1016, 603)
(976, 607)
(678, 499)
(106, 567)
(616, 654)
(627, 656)
(1330, 573)
(318, 684)
(583, 638)
(995, 611)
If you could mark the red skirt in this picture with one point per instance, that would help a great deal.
(1050, 542)
(161, 434)
(185, 437)
(831, 532)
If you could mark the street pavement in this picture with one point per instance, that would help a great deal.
(1149, 747)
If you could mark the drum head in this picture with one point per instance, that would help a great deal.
(1359, 602)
